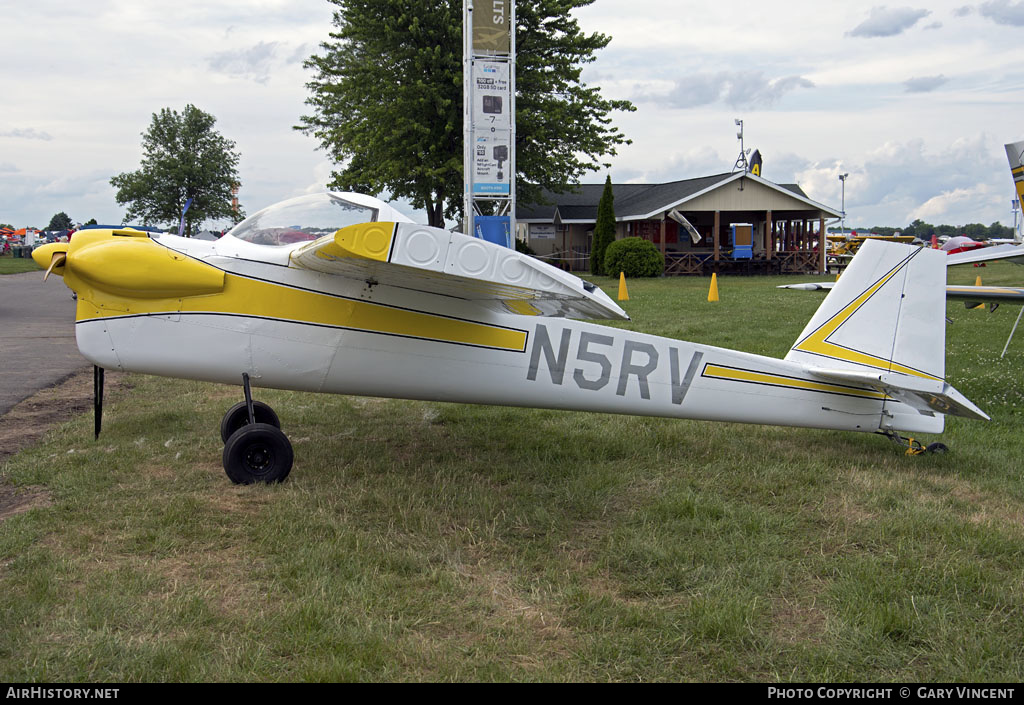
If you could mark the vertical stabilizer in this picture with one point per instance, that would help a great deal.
(885, 314)
(1015, 155)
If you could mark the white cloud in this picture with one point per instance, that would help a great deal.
(901, 181)
(29, 133)
(1003, 12)
(885, 22)
(253, 63)
(924, 84)
(749, 89)
(948, 205)
(746, 58)
(258, 62)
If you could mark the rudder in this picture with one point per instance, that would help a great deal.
(886, 313)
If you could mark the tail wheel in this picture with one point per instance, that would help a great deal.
(258, 452)
(238, 416)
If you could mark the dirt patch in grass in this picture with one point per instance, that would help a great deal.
(799, 621)
(29, 420)
(15, 500)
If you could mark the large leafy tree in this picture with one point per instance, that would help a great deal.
(60, 221)
(387, 100)
(183, 158)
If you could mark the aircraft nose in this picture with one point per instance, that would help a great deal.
(51, 257)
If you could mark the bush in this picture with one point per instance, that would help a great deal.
(634, 256)
(524, 248)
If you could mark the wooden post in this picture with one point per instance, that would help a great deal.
(769, 231)
(822, 242)
(663, 236)
(718, 215)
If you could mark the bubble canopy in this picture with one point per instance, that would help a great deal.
(311, 217)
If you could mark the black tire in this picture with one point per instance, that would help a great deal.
(258, 452)
(937, 449)
(237, 416)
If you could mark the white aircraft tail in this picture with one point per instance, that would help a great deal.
(883, 325)
(1015, 155)
(886, 312)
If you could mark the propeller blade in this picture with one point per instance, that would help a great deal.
(58, 260)
(97, 396)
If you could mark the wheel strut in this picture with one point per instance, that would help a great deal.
(248, 397)
(914, 447)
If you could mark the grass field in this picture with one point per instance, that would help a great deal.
(10, 265)
(420, 541)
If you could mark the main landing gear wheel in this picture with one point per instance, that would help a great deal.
(913, 447)
(238, 416)
(258, 452)
(255, 449)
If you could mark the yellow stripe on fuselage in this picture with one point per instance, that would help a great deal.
(753, 377)
(243, 296)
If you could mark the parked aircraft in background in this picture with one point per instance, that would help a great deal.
(340, 293)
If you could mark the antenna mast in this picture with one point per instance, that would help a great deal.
(741, 161)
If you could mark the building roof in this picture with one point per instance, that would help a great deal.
(643, 201)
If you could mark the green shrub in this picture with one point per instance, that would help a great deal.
(524, 248)
(634, 256)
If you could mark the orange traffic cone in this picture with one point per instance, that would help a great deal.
(623, 292)
(977, 282)
(713, 291)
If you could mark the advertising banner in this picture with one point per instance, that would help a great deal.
(492, 127)
(491, 26)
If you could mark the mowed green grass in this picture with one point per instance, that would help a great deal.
(421, 541)
(12, 265)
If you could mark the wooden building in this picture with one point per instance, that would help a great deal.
(788, 228)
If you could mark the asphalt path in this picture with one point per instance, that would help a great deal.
(37, 336)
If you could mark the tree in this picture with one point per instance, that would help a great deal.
(91, 221)
(61, 221)
(387, 100)
(604, 229)
(920, 229)
(975, 231)
(183, 158)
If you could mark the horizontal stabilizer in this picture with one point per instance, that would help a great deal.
(435, 261)
(925, 395)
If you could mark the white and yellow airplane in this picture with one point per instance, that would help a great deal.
(340, 293)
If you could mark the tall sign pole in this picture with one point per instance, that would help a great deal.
(489, 95)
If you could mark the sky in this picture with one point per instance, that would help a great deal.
(913, 101)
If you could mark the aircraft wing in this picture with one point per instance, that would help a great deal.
(977, 294)
(1014, 253)
(810, 286)
(926, 395)
(986, 294)
(435, 261)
